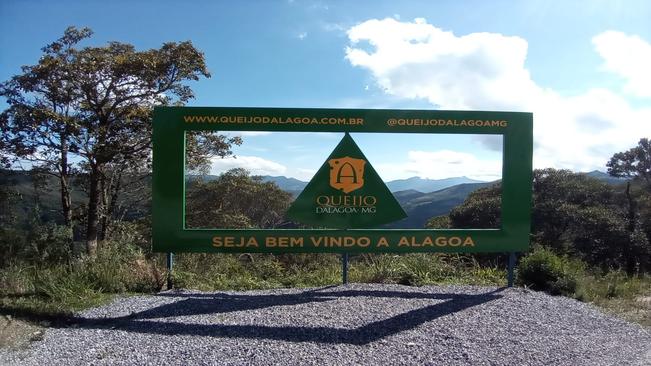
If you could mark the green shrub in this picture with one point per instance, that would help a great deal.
(378, 268)
(17, 278)
(47, 244)
(543, 270)
(183, 279)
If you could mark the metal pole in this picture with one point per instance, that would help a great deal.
(170, 266)
(344, 268)
(511, 268)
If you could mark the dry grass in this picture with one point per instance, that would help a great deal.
(637, 310)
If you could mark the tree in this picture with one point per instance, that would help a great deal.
(236, 200)
(41, 114)
(572, 214)
(93, 105)
(202, 146)
(481, 210)
(634, 163)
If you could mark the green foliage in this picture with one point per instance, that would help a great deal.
(49, 243)
(481, 210)
(439, 222)
(617, 292)
(252, 271)
(89, 281)
(42, 243)
(86, 111)
(235, 200)
(562, 201)
(574, 215)
(418, 269)
(634, 163)
(543, 270)
(378, 268)
(119, 267)
(62, 284)
(613, 284)
(201, 146)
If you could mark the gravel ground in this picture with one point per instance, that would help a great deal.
(365, 324)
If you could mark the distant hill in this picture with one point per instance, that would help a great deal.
(19, 184)
(428, 185)
(24, 197)
(420, 207)
(406, 196)
(286, 184)
(605, 177)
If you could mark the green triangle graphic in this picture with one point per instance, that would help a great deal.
(346, 193)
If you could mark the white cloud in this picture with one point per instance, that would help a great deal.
(418, 60)
(486, 71)
(304, 174)
(254, 164)
(441, 164)
(302, 35)
(628, 57)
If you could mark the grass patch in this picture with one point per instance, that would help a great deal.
(54, 292)
(618, 293)
(419, 269)
(263, 271)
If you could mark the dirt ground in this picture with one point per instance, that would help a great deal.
(16, 334)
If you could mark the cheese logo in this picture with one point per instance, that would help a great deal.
(346, 193)
(346, 174)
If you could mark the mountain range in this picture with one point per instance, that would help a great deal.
(604, 177)
(420, 207)
(428, 185)
(414, 183)
(421, 198)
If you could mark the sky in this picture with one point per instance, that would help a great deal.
(581, 67)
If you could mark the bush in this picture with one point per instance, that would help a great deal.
(117, 268)
(542, 270)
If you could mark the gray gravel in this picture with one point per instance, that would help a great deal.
(365, 324)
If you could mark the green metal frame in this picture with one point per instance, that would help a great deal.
(171, 123)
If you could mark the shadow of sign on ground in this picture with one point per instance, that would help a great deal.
(157, 320)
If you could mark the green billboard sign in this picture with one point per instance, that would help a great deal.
(346, 200)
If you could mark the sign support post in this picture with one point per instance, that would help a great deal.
(170, 266)
(511, 268)
(344, 268)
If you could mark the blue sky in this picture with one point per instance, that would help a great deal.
(580, 66)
